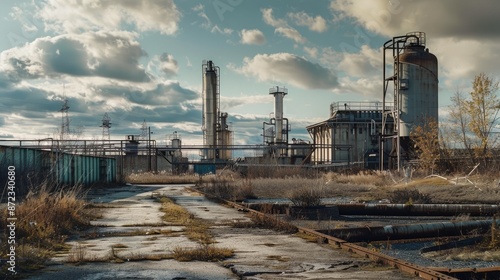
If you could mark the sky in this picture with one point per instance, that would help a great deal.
(142, 60)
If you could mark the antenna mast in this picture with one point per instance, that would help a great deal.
(64, 115)
(106, 125)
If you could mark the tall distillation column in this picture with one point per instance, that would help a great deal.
(210, 108)
(279, 94)
(275, 132)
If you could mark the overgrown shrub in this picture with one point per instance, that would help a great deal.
(409, 197)
(222, 188)
(254, 172)
(306, 196)
(369, 178)
(244, 190)
(44, 220)
(219, 188)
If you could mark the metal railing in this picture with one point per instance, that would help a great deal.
(357, 106)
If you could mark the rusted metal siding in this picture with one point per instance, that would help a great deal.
(35, 167)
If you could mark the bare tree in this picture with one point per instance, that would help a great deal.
(459, 120)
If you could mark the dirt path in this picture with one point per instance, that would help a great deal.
(131, 242)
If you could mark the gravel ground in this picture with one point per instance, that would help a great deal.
(411, 253)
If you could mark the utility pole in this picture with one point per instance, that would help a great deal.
(149, 149)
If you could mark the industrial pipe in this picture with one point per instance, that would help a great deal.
(391, 232)
(418, 209)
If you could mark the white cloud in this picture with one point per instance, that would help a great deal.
(78, 16)
(101, 54)
(312, 52)
(281, 26)
(267, 16)
(317, 23)
(290, 33)
(368, 87)
(362, 70)
(466, 58)
(286, 68)
(252, 37)
(225, 31)
(366, 63)
(231, 102)
(164, 63)
(207, 24)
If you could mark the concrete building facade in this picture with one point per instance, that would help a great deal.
(351, 135)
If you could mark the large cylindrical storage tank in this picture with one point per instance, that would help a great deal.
(210, 106)
(418, 84)
(177, 146)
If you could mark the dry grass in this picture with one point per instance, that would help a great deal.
(169, 178)
(228, 189)
(267, 221)
(44, 220)
(204, 252)
(77, 254)
(196, 229)
(161, 178)
(368, 178)
(465, 254)
(368, 186)
(307, 196)
(424, 182)
(174, 214)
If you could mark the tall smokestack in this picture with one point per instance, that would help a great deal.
(279, 94)
(210, 107)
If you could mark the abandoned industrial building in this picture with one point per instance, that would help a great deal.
(369, 134)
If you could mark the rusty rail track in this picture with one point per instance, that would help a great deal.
(416, 270)
(428, 273)
(413, 269)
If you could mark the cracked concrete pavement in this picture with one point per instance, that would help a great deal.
(131, 228)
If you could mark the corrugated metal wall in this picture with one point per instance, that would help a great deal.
(34, 167)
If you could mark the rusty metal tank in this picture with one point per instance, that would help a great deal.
(418, 84)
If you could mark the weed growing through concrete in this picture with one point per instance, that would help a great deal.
(204, 252)
(197, 230)
(77, 254)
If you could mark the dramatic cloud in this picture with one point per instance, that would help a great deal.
(366, 63)
(103, 54)
(252, 37)
(168, 93)
(287, 68)
(29, 100)
(445, 18)
(78, 16)
(164, 63)
(317, 23)
(464, 35)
